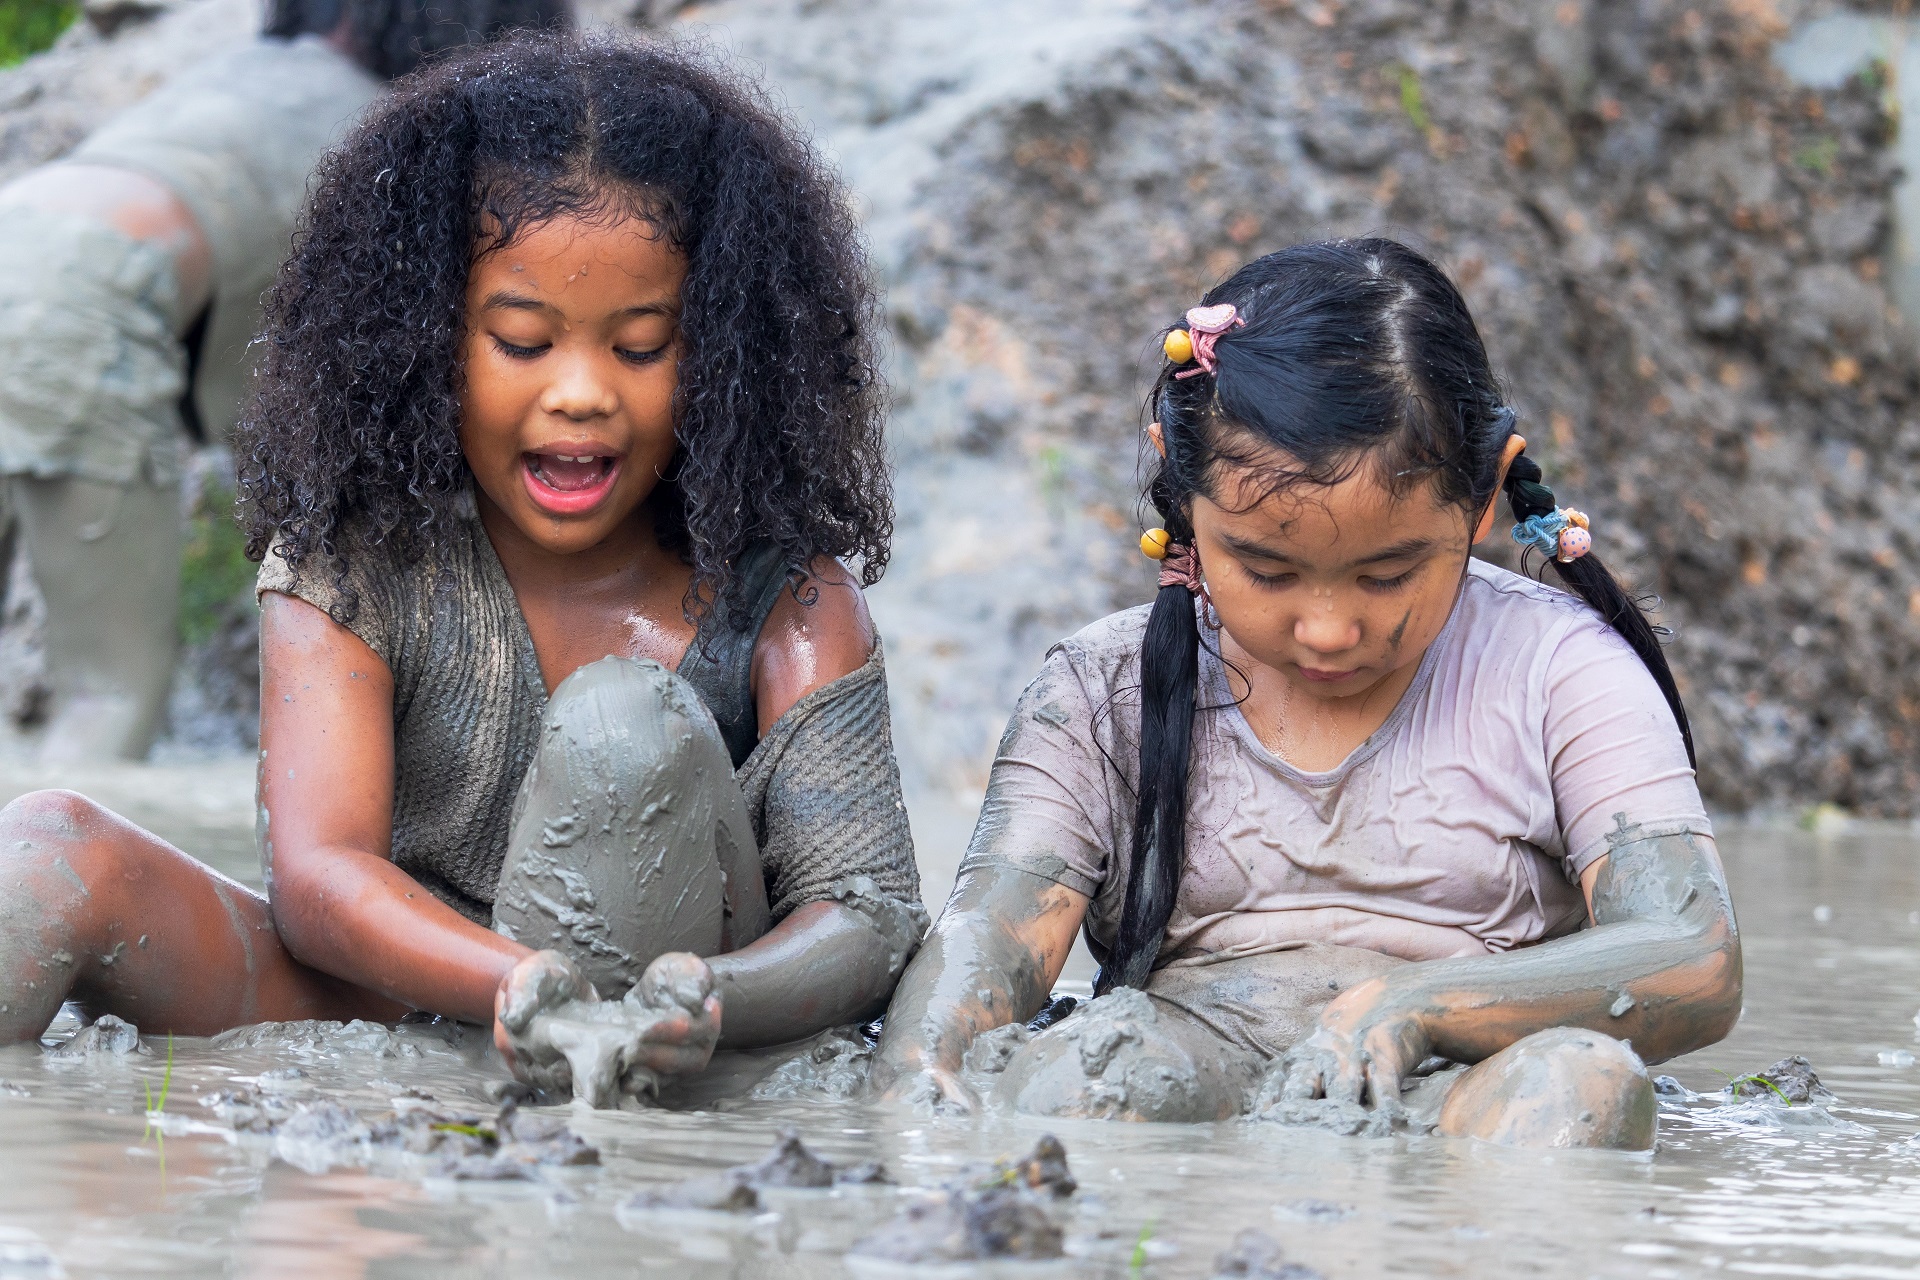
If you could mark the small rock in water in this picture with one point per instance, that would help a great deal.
(868, 1173)
(1897, 1058)
(108, 1035)
(1000, 1222)
(789, 1164)
(12, 1090)
(1002, 1214)
(1668, 1087)
(1791, 1080)
(720, 1193)
(1256, 1256)
(1042, 1169)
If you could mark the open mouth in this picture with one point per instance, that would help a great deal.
(566, 483)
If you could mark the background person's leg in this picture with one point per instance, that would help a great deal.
(107, 561)
(1563, 1087)
(630, 837)
(93, 909)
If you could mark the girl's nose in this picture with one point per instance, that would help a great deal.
(577, 391)
(1326, 631)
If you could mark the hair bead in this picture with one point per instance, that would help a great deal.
(1178, 346)
(1154, 544)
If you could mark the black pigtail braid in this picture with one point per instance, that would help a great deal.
(1593, 582)
(1169, 681)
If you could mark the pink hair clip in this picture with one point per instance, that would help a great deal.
(1195, 342)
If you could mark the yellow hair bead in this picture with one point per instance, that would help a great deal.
(1179, 349)
(1154, 544)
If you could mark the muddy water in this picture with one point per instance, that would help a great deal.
(1833, 951)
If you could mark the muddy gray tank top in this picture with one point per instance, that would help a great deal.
(823, 789)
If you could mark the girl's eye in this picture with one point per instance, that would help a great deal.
(640, 357)
(1271, 581)
(515, 352)
(1387, 584)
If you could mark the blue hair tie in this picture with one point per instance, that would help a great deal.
(1542, 533)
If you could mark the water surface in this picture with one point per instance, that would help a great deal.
(1832, 927)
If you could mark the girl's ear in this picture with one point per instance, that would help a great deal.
(1516, 445)
(1159, 439)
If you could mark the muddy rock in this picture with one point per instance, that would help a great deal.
(1000, 1222)
(999, 1211)
(789, 1164)
(1790, 1080)
(724, 1193)
(1255, 1255)
(108, 1037)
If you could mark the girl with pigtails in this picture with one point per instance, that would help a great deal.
(1363, 830)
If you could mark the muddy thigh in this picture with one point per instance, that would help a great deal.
(630, 838)
(1190, 1048)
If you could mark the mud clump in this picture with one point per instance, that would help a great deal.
(1790, 1080)
(1004, 1213)
(319, 1135)
(834, 1067)
(108, 1037)
(1119, 1058)
(1255, 1255)
(790, 1165)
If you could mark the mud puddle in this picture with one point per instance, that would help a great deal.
(1774, 1178)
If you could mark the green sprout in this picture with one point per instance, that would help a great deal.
(166, 1086)
(471, 1130)
(1412, 101)
(1734, 1083)
(215, 574)
(1138, 1262)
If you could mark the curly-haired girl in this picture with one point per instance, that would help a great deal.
(1343, 796)
(567, 415)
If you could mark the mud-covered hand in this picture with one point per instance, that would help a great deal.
(1365, 1044)
(559, 1037)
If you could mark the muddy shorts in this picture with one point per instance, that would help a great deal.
(91, 370)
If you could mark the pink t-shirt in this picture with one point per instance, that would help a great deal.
(1530, 733)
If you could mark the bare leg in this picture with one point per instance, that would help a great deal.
(1563, 1087)
(630, 838)
(96, 910)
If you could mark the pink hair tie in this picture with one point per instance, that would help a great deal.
(1205, 325)
(1180, 567)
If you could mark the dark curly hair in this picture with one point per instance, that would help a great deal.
(779, 410)
(391, 37)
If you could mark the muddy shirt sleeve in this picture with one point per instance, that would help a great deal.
(1615, 753)
(823, 790)
(353, 592)
(1049, 808)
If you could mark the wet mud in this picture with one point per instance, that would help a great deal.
(593, 1050)
(1005, 1213)
(789, 1166)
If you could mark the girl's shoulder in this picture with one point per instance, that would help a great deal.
(1496, 602)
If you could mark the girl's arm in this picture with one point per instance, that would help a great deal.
(991, 960)
(326, 798)
(1660, 967)
(827, 963)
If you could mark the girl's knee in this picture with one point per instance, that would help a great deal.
(1562, 1087)
(43, 820)
(633, 708)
